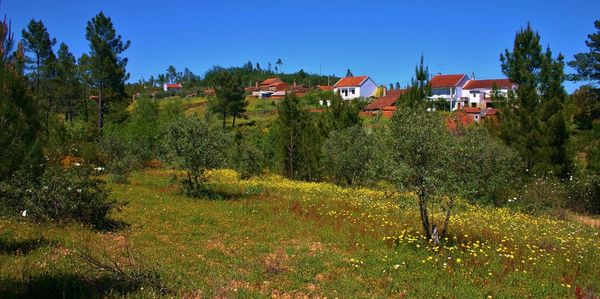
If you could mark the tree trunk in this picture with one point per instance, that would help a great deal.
(447, 219)
(233, 123)
(100, 107)
(224, 118)
(424, 213)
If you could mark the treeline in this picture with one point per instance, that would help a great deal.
(46, 115)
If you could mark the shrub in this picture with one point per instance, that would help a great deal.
(191, 144)
(584, 192)
(246, 157)
(541, 194)
(62, 195)
(346, 155)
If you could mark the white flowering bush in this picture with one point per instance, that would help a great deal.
(61, 195)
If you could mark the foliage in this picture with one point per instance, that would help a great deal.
(488, 167)
(229, 98)
(193, 145)
(587, 64)
(347, 154)
(62, 195)
(247, 156)
(68, 87)
(20, 149)
(533, 121)
(423, 144)
(107, 68)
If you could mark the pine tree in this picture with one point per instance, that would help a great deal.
(108, 72)
(229, 98)
(587, 64)
(420, 89)
(171, 74)
(280, 64)
(41, 63)
(20, 150)
(532, 118)
(68, 87)
(38, 44)
(349, 73)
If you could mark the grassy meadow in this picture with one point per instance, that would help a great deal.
(272, 237)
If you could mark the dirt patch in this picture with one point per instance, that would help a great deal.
(587, 220)
(276, 262)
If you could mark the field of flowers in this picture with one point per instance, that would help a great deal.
(272, 237)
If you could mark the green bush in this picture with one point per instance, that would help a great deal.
(346, 155)
(62, 195)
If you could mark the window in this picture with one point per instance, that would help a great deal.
(474, 95)
(352, 90)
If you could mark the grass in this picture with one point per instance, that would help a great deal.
(275, 237)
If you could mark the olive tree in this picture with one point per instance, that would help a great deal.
(425, 148)
(194, 146)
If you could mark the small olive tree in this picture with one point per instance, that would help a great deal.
(193, 145)
(425, 148)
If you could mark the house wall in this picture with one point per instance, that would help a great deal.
(368, 88)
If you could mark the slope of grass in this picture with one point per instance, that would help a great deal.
(274, 237)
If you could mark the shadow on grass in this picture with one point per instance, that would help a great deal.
(111, 225)
(25, 246)
(65, 286)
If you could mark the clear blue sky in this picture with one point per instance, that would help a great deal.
(383, 39)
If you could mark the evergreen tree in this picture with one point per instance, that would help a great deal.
(420, 89)
(229, 98)
(38, 44)
(391, 86)
(108, 72)
(68, 87)
(280, 64)
(20, 150)
(349, 73)
(171, 74)
(290, 124)
(532, 119)
(587, 64)
(258, 67)
(41, 63)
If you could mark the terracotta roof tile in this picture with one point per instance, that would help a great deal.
(387, 100)
(351, 81)
(446, 80)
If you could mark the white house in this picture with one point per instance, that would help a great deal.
(355, 87)
(478, 93)
(449, 88)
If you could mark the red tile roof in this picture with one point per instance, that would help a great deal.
(446, 80)
(471, 110)
(174, 85)
(325, 87)
(351, 81)
(387, 100)
(489, 84)
(459, 119)
(271, 81)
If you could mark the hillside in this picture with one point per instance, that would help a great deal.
(271, 237)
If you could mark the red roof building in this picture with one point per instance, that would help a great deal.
(171, 86)
(387, 100)
(489, 84)
(440, 81)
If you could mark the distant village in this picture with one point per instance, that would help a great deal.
(470, 98)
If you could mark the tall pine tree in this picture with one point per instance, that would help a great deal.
(108, 72)
(532, 118)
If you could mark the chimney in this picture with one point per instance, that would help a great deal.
(294, 83)
(256, 84)
(473, 75)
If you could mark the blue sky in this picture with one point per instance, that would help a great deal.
(383, 39)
